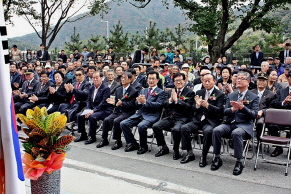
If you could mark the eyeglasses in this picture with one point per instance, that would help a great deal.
(78, 75)
(178, 80)
(204, 74)
(241, 78)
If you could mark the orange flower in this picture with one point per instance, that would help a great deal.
(34, 169)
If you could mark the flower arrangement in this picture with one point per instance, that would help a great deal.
(183, 97)
(213, 97)
(125, 96)
(45, 148)
(155, 94)
(245, 101)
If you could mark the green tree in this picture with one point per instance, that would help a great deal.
(118, 40)
(96, 42)
(214, 19)
(75, 42)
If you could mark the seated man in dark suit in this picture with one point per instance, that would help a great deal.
(140, 78)
(177, 111)
(41, 99)
(77, 93)
(29, 87)
(124, 107)
(99, 109)
(208, 109)
(266, 97)
(149, 104)
(136, 85)
(110, 82)
(241, 110)
(282, 101)
(15, 77)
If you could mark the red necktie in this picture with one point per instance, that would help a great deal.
(178, 94)
(149, 92)
(73, 97)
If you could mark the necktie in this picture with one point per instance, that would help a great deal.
(124, 90)
(178, 94)
(73, 97)
(206, 95)
(149, 92)
(240, 95)
(260, 96)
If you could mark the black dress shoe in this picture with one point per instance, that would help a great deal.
(81, 138)
(238, 168)
(187, 159)
(176, 155)
(90, 140)
(102, 143)
(117, 145)
(131, 147)
(278, 151)
(162, 152)
(142, 150)
(216, 163)
(202, 162)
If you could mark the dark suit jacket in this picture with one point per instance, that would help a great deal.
(246, 116)
(137, 57)
(197, 81)
(181, 109)
(46, 55)
(43, 93)
(60, 96)
(136, 86)
(282, 57)
(15, 78)
(266, 99)
(214, 113)
(113, 86)
(99, 103)
(256, 61)
(128, 101)
(280, 97)
(80, 94)
(29, 90)
(142, 80)
(152, 109)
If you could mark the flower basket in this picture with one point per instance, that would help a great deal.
(45, 148)
(47, 183)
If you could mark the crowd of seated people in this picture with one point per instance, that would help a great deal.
(221, 100)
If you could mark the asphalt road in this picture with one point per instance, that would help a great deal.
(90, 170)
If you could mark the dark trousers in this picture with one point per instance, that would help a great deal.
(142, 126)
(113, 120)
(237, 134)
(23, 108)
(166, 124)
(193, 127)
(71, 109)
(93, 118)
(53, 109)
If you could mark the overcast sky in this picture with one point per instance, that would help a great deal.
(22, 27)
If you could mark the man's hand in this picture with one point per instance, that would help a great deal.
(174, 95)
(119, 102)
(204, 103)
(33, 98)
(16, 85)
(52, 90)
(16, 92)
(260, 114)
(23, 95)
(287, 100)
(110, 101)
(198, 100)
(87, 115)
(142, 99)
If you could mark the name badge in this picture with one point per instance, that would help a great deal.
(30, 88)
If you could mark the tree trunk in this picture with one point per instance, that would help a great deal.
(215, 51)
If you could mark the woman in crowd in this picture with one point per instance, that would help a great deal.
(121, 59)
(155, 53)
(225, 78)
(206, 62)
(57, 93)
(34, 54)
(106, 55)
(28, 56)
(178, 53)
(272, 81)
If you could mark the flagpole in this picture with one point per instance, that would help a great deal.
(14, 178)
